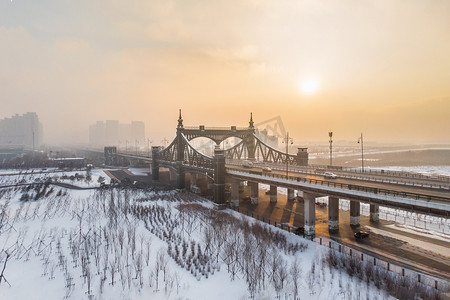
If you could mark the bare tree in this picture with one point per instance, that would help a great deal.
(296, 273)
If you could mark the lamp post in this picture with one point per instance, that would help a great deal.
(148, 146)
(330, 134)
(361, 141)
(287, 140)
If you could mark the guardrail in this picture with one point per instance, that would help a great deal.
(351, 187)
(383, 172)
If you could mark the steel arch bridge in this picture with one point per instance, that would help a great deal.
(181, 155)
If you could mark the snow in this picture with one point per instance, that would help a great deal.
(425, 170)
(418, 243)
(421, 232)
(75, 178)
(139, 171)
(60, 241)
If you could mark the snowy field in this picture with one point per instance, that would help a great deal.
(129, 244)
(80, 178)
(425, 170)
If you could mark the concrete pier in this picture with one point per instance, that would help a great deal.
(333, 214)
(273, 193)
(310, 214)
(354, 213)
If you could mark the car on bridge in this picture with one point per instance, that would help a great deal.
(247, 164)
(329, 175)
(360, 235)
(266, 169)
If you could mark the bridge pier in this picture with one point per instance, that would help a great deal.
(273, 194)
(234, 193)
(155, 163)
(310, 214)
(219, 176)
(172, 175)
(354, 213)
(290, 194)
(333, 214)
(180, 178)
(374, 213)
(254, 188)
(193, 184)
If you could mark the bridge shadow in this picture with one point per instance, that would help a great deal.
(299, 220)
(287, 211)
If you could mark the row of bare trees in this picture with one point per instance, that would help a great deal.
(398, 286)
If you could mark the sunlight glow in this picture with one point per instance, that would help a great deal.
(309, 86)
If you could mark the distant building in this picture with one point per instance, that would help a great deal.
(23, 131)
(113, 133)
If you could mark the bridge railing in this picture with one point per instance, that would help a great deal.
(346, 186)
(201, 127)
(382, 172)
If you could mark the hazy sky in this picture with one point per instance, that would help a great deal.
(381, 67)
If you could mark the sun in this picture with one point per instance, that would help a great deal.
(309, 86)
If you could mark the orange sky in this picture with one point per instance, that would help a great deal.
(381, 67)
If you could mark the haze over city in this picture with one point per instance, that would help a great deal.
(378, 67)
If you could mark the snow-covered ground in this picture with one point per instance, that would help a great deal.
(140, 171)
(425, 170)
(77, 178)
(131, 244)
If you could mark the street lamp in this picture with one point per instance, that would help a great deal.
(330, 134)
(148, 146)
(287, 140)
(360, 140)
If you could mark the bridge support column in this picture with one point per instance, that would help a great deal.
(374, 213)
(333, 214)
(219, 176)
(193, 181)
(254, 187)
(172, 175)
(354, 213)
(234, 193)
(310, 214)
(290, 194)
(180, 176)
(273, 194)
(155, 163)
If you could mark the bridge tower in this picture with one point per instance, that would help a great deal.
(180, 154)
(219, 175)
(250, 139)
(110, 155)
(155, 163)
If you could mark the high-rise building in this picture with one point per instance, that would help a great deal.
(112, 132)
(23, 131)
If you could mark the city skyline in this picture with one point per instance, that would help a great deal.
(375, 67)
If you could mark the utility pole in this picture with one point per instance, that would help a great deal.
(330, 134)
(287, 140)
(360, 140)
